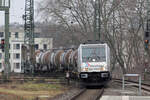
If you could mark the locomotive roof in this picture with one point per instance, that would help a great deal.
(93, 42)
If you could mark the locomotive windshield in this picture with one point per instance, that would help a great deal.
(93, 54)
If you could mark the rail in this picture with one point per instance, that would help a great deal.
(89, 94)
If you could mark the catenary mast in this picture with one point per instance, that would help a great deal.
(29, 34)
(97, 23)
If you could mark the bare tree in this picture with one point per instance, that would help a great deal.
(122, 26)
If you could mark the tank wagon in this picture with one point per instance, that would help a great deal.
(90, 63)
(55, 60)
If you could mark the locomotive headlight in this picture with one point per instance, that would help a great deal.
(93, 60)
(104, 75)
(84, 75)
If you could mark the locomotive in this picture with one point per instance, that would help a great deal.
(89, 63)
(94, 64)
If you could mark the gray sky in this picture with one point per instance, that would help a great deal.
(16, 11)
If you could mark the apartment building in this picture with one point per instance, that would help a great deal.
(16, 40)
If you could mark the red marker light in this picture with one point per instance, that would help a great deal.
(2, 41)
(3, 44)
(146, 41)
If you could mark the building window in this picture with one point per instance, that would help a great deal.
(16, 46)
(1, 34)
(16, 56)
(36, 46)
(0, 55)
(17, 65)
(0, 65)
(9, 34)
(9, 55)
(16, 35)
(45, 46)
(9, 46)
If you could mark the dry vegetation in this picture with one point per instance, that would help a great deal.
(30, 91)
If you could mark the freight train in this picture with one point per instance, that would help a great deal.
(89, 63)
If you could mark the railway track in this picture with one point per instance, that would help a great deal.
(89, 94)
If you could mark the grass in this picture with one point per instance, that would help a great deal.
(39, 86)
(31, 90)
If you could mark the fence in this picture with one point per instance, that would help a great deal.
(131, 75)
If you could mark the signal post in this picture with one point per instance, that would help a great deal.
(4, 6)
(147, 29)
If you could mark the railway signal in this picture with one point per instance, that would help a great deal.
(147, 40)
(3, 45)
(146, 43)
(147, 28)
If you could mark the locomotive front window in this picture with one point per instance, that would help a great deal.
(94, 54)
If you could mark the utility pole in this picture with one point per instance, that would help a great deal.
(5, 7)
(29, 34)
(97, 20)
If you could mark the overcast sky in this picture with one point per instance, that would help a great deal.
(16, 11)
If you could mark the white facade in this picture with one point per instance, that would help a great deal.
(15, 55)
(16, 41)
(43, 43)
